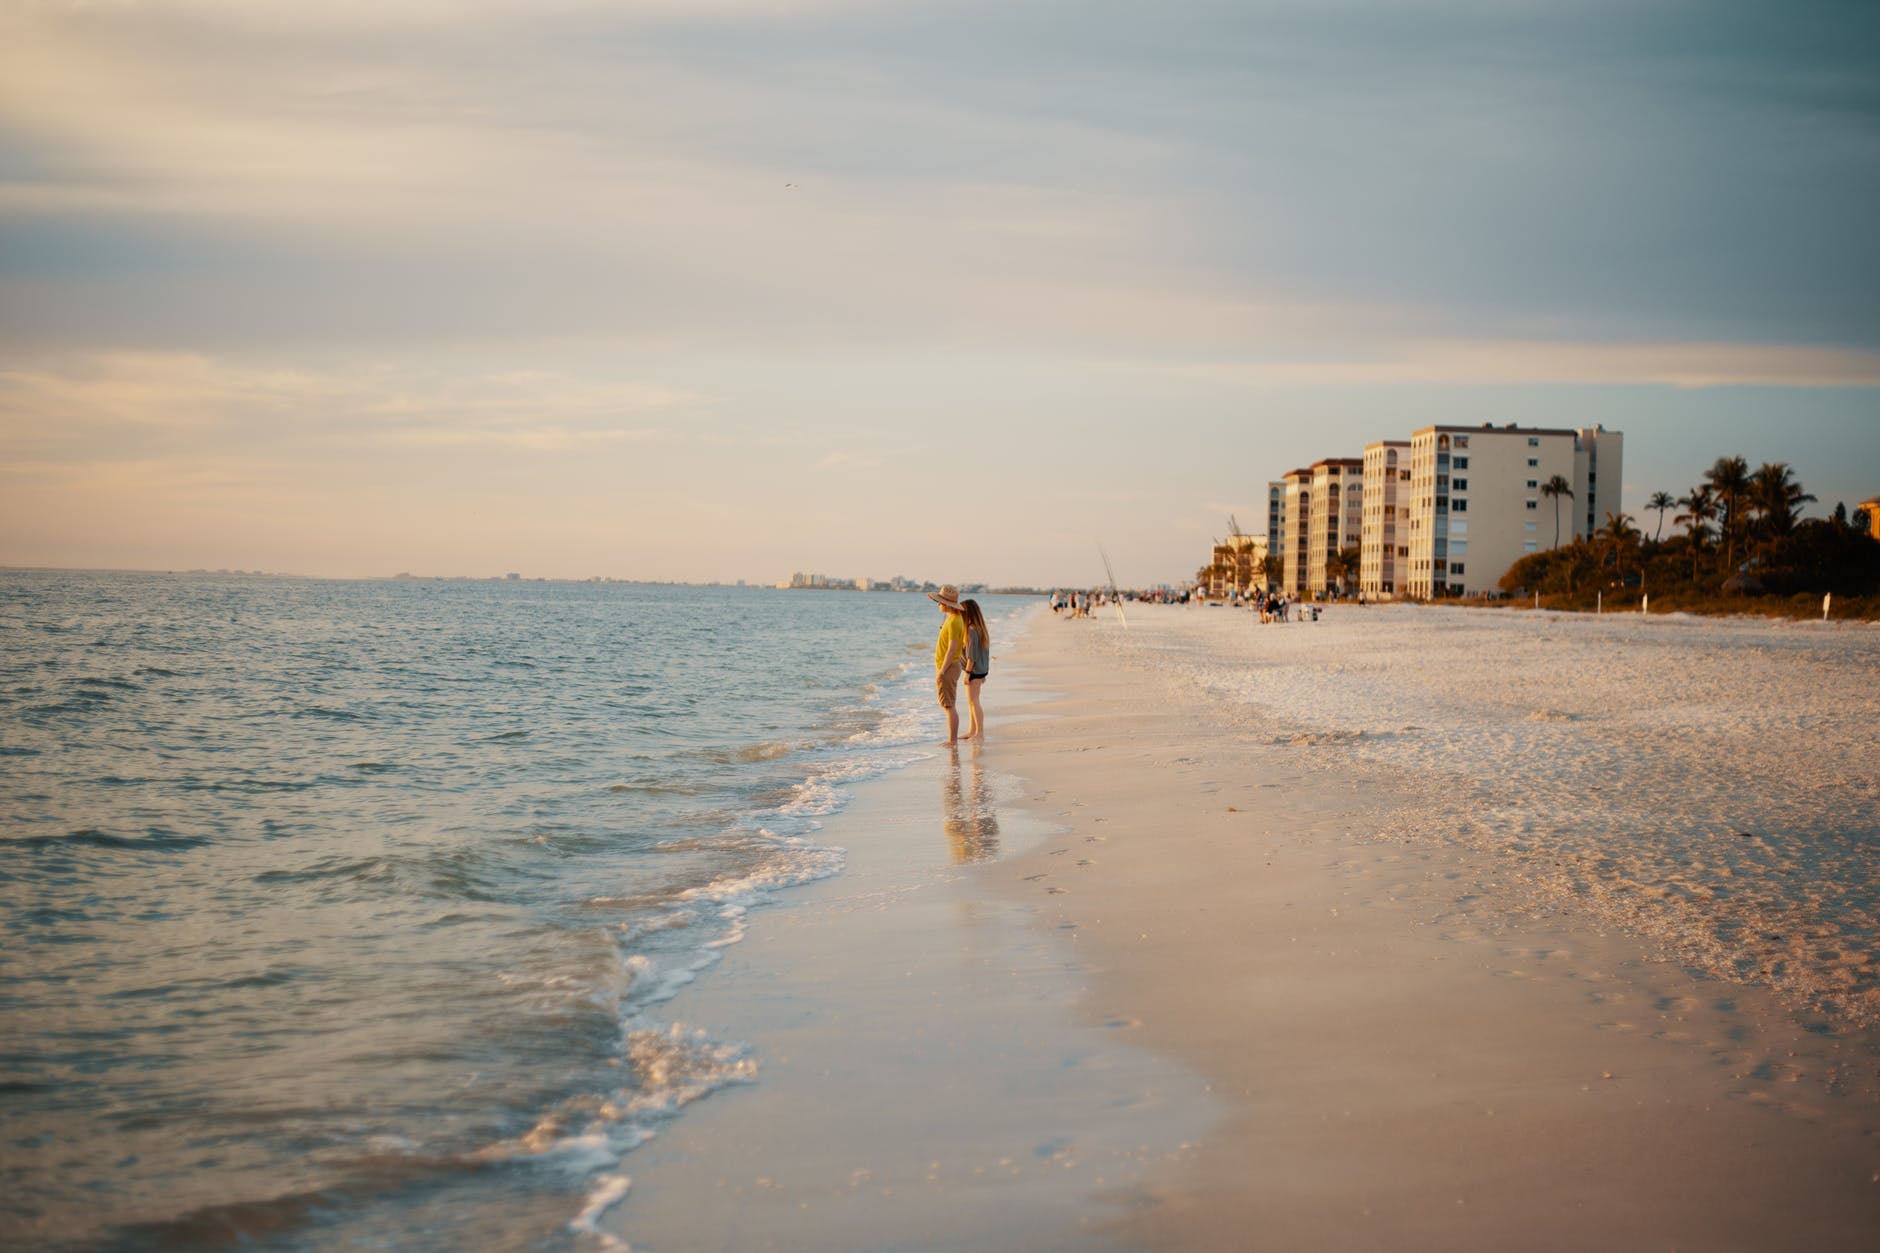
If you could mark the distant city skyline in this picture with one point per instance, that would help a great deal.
(709, 292)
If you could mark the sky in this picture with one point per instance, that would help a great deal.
(958, 290)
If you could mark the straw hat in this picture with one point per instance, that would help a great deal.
(948, 597)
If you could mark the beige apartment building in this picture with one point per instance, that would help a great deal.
(1384, 547)
(1311, 514)
(1475, 504)
(1295, 517)
(1337, 520)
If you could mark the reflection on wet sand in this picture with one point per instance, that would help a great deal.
(972, 823)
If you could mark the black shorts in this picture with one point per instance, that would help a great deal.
(971, 677)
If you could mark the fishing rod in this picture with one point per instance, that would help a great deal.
(1116, 597)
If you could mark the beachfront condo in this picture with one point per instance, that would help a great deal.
(1384, 546)
(1337, 520)
(1477, 505)
(1295, 517)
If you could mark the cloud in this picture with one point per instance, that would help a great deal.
(196, 405)
(269, 176)
(848, 461)
(510, 257)
(1526, 362)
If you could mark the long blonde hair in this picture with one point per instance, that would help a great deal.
(975, 621)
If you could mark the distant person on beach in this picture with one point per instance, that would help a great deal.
(949, 656)
(978, 665)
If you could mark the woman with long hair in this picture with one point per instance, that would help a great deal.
(978, 665)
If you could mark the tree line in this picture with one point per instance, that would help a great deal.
(1736, 532)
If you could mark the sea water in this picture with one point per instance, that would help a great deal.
(343, 912)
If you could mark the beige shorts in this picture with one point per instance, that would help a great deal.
(946, 685)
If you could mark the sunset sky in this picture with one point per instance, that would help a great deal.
(726, 289)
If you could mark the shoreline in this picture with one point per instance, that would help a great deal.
(1207, 993)
(921, 1075)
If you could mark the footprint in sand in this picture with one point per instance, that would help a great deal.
(1085, 861)
(1093, 839)
(1059, 852)
(1033, 878)
(1056, 891)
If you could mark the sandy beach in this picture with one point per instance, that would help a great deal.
(1284, 943)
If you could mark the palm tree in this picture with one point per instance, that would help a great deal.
(1343, 566)
(1777, 497)
(1699, 509)
(1557, 487)
(1729, 482)
(1661, 501)
(1262, 569)
(1619, 537)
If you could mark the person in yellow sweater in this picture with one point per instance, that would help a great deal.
(949, 652)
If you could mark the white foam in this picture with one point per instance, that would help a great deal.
(607, 1191)
(673, 1065)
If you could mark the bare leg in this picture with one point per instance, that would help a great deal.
(953, 725)
(975, 716)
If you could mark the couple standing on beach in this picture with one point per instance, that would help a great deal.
(964, 646)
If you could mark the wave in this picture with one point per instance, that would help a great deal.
(245, 785)
(156, 841)
(322, 711)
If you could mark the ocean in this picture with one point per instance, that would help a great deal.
(343, 912)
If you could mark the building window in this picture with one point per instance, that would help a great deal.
(1457, 547)
(1459, 505)
(1462, 441)
(1403, 551)
(1534, 504)
(1531, 526)
(1462, 463)
(1528, 546)
(1456, 568)
(1460, 485)
(1533, 484)
(1534, 441)
(1533, 462)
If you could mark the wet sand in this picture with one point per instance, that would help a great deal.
(924, 1076)
(1206, 990)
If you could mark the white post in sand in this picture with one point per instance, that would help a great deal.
(1599, 601)
(1645, 604)
(1537, 600)
(1827, 599)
